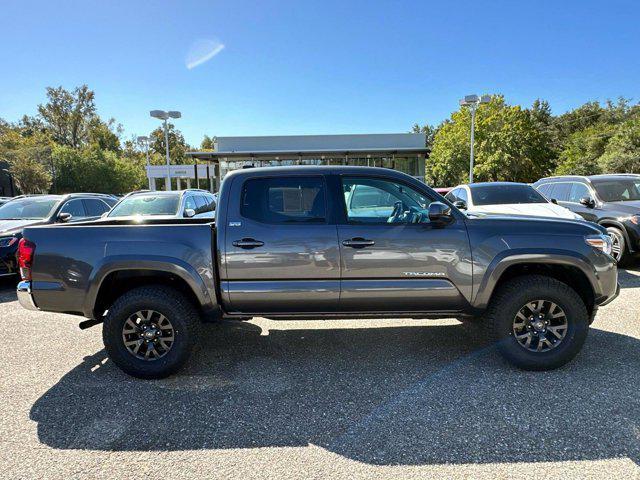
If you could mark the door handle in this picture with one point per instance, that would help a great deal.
(247, 243)
(358, 242)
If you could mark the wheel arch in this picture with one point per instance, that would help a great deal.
(569, 269)
(114, 277)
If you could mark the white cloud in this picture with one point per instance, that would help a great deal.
(202, 51)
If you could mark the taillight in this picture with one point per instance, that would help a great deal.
(26, 249)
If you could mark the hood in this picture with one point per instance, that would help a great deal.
(529, 209)
(630, 208)
(9, 227)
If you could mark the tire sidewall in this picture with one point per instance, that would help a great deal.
(118, 352)
(571, 344)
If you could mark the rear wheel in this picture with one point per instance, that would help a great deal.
(149, 332)
(539, 323)
(618, 244)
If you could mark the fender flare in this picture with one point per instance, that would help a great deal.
(612, 222)
(540, 256)
(172, 265)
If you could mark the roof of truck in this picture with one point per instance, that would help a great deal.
(299, 169)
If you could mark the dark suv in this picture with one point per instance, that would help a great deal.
(29, 210)
(613, 201)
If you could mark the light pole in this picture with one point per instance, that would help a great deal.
(146, 141)
(473, 102)
(164, 116)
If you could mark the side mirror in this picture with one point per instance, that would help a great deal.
(189, 212)
(553, 200)
(439, 213)
(460, 204)
(587, 202)
(64, 217)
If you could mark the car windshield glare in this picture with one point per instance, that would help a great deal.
(145, 205)
(27, 209)
(505, 194)
(617, 190)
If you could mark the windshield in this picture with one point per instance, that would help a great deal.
(618, 190)
(505, 194)
(27, 209)
(147, 204)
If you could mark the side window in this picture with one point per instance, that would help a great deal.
(462, 195)
(282, 200)
(211, 203)
(372, 200)
(75, 208)
(578, 191)
(452, 196)
(94, 207)
(200, 204)
(562, 191)
(545, 190)
(189, 202)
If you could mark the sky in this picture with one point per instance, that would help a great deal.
(300, 67)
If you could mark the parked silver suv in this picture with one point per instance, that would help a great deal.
(192, 203)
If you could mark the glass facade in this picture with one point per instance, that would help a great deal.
(410, 164)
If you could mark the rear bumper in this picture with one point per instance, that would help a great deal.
(25, 296)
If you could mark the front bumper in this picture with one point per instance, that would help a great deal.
(25, 297)
(611, 298)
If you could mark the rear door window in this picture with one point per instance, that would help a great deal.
(283, 200)
(562, 191)
(94, 207)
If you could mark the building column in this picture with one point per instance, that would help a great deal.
(152, 184)
(177, 183)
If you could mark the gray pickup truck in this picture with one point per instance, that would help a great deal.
(322, 242)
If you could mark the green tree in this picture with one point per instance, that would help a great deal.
(92, 169)
(622, 152)
(28, 157)
(510, 145)
(177, 146)
(68, 115)
(582, 151)
(207, 143)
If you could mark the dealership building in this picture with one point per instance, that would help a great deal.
(405, 152)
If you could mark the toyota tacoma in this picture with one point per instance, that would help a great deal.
(322, 242)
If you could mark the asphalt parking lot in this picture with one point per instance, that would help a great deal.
(311, 399)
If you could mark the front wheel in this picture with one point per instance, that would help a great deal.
(618, 244)
(149, 332)
(538, 322)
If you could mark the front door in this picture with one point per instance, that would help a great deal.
(393, 258)
(281, 249)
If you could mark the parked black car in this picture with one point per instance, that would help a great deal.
(613, 201)
(30, 210)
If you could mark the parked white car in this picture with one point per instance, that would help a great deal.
(190, 203)
(506, 198)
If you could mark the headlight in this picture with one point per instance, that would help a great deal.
(7, 241)
(601, 242)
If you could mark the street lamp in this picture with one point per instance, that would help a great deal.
(473, 101)
(145, 141)
(164, 116)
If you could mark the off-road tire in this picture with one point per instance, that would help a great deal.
(175, 307)
(506, 303)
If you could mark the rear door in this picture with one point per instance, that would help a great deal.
(391, 263)
(281, 247)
